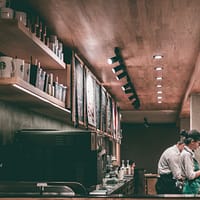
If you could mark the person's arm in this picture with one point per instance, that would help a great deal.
(197, 173)
(188, 167)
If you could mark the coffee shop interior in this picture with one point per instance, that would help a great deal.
(93, 91)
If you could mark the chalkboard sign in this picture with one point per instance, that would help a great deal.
(79, 90)
(90, 98)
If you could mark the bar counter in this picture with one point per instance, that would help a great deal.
(114, 197)
(61, 191)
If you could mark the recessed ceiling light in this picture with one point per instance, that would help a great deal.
(159, 97)
(157, 57)
(159, 86)
(159, 101)
(159, 92)
(158, 68)
(159, 78)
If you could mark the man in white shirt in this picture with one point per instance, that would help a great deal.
(169, 170)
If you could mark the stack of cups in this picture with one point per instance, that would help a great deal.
(5, 12)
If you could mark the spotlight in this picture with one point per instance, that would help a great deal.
(113, 60)
(136, 104)
(127, 91)
(126, 86)
(120, 76)
(132, 97)
(117, 68)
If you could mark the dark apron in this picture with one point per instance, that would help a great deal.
(167, 185)
(192, 186)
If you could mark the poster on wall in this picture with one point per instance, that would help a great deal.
(103, 109)
(79, 91)
(98, 107)
(91, 98)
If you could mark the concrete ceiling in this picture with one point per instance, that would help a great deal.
(141, 29)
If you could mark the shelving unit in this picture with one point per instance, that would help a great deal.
(17, 41)
(17, 91)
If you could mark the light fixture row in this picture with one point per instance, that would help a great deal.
(121, 72)
(159, 79)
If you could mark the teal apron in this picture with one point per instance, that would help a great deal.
(192, 186)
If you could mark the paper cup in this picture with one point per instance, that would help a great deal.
(21, 16)
(6, 13)
(18, 67)
(5, 66)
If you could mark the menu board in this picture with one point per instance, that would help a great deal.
(90, 98)
(79, 90)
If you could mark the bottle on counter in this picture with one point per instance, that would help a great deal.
(132, 168)
(122, 171)
(128, 168)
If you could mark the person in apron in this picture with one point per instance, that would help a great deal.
(169, 170)
(189, 165)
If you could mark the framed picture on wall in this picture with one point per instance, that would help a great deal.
(109, 115)
(103, 109)
(98, 105)
(114, 107)
(79, 91)
(90, 98)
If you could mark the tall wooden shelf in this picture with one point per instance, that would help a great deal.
(17, 41)
(18, 92)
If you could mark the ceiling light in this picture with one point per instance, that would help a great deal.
(159, 86)
(120, 76)
(136, 104)
(127, 91)
(113, 60)
(159, 92)
(157, 57)
(132, 97)
(159, 97)
(159, 78)
(127, 85)
(158, 68)
(159, 101)
(117, 68)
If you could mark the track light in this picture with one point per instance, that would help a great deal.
(117, 68)
(126, 86)
(132, 97)
(120, 76)
(113, 60)
(127, 91)
(136, 104)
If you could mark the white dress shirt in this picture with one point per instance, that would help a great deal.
(170, 162)
(187, 163)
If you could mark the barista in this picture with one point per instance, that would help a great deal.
(169, 170)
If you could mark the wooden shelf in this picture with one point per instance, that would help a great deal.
(17, 40)
(19, 92)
